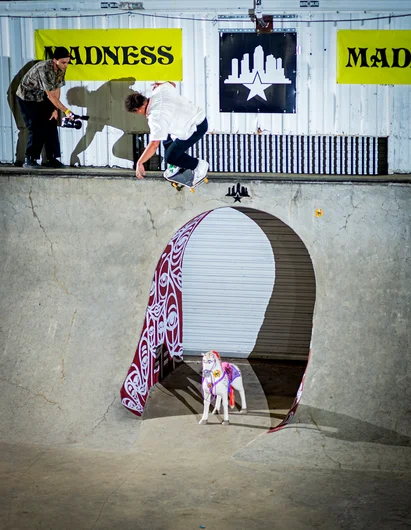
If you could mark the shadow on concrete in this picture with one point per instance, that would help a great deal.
(184, 384)
(343, 427)
(279, 381)
(180, 393)
(278, 378)
(18, 118)
(105, 106)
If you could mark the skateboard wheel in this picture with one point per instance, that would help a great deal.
(174, 185)
(192, 190)
(206, 180)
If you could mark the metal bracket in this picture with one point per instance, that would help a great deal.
(247, 17)
(253, 30)
(121, 5)
(131, 5)
(233, 17)
(309, 3)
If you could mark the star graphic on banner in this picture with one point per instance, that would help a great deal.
(257, 88)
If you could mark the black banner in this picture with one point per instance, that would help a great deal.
(258, 72)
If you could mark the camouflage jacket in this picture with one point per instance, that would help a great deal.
(40, 78)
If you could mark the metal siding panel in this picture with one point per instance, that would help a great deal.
(399, 157)
(399, 154)
(303, 81)
(330, 76)
(317, 96)
(6, 123)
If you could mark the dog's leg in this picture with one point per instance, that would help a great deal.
(225, 408)
(217, 405)
(207, 400)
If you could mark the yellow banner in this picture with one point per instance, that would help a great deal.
(381, 57)
(106, 54)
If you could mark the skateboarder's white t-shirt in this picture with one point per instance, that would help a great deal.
(170, 113)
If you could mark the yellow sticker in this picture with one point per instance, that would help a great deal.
(319, 212)
(216, 373)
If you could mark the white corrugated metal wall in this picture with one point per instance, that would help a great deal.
(228, 279)
(323, 107)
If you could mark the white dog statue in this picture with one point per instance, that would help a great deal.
(219, 381)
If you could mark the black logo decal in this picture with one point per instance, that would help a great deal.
(237, 192)
(258, 72)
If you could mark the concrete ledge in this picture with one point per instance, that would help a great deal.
(7, 170)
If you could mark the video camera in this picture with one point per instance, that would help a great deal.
(74, 122)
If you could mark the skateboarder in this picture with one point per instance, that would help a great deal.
(174, 120)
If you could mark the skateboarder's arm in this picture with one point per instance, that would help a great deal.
(155, 85)
(146, 155)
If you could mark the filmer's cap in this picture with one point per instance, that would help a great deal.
(60, 52)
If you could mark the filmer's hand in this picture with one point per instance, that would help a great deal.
(54, 115)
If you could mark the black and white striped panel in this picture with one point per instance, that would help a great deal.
(267, 153)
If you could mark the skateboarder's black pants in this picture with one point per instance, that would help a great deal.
(42, 130)
(175, 150)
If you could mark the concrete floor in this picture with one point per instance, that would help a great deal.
(180, 475)
(172, 488)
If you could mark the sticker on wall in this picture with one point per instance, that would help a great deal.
(319, 212)
(258, 72)
(237, 192)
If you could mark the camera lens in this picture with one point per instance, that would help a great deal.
(71, 124)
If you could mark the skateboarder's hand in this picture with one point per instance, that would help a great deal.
(140, 171)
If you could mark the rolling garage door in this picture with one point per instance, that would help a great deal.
(228, 279)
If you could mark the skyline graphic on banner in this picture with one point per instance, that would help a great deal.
(261, 76)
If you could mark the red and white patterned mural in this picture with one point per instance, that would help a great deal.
(162, 322)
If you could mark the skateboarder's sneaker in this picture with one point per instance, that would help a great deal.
(171, 171)
(200, 172)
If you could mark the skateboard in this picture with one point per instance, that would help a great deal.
(184, 178)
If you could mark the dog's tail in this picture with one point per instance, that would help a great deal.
(231, 396)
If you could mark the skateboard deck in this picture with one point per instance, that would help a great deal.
(184, 178)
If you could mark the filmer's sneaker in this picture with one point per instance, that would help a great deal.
(53, 162)
(30, 163)
(200, 172)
